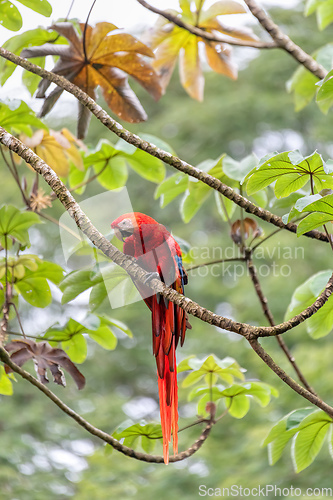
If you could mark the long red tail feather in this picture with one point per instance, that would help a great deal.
(164, 347)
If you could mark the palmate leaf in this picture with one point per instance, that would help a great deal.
(14, 223)
(236, 397)
(307, 429)
(111, 163)
(171, 42)
(45, 357)
(211, 368)
(146, 434)
(108, 57)
(59, 150)
(321, 323)
(73, 341)
(290, 171)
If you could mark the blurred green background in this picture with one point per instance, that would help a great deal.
(44, 454)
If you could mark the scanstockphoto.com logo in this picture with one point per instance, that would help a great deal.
(268, 491)
(102, 209)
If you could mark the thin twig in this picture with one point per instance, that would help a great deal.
(267, 312)
(205, 34)
(283, 41)
(14, 173)
(266, 238)
(218, 261)
(84, 183)
(98, 432)
(314, 399)
(329, 236)
(18, 318)
(151, 149)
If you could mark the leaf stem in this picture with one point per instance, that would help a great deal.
(85, 33)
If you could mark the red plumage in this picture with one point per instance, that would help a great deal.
(157, 251)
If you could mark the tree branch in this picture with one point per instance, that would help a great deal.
(204, 34)
(282, 40)
(267, 312)
(129, 452)
(313, 398)
(135, 271)
(151, 149)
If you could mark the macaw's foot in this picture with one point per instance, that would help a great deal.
(150, 277)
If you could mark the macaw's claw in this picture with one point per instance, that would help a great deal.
(150, 277)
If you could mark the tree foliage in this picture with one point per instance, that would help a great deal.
(57, 313)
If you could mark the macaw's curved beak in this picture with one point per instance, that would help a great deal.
(118, 234)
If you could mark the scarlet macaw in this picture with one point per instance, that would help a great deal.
(158, 252)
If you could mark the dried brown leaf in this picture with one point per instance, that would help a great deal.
(104, 61)
(242, 230)
(45, 357)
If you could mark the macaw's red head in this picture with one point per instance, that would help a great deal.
(129, 224)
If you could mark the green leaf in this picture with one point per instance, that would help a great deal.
(149, 433)
(30, 80)
(225, 207)
(18, 118)
(32, 283)
(325, 93)
(309, 440)
(112, 165)
(303, 83)
(311, 6)
(35, 291)
(118, 324)
(325, 14)
(276, 447)
(295, 417)
(6, 387)
(303, 86)
(238, 406)
(10, 16)
(170, 188)
(74, 284)
(41, 6)
(278, 438)
(238, 170)
(226, 369)
(146, 166)
(105, 337)
(30, 38)
(321, 211)
(311, 222)
(321, 323)
(76, 348)
(15, 223)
